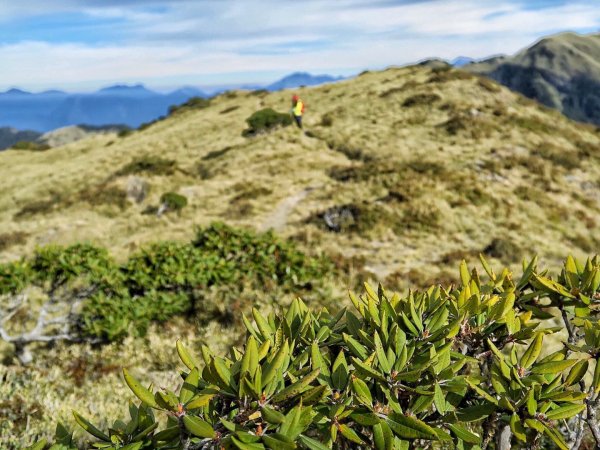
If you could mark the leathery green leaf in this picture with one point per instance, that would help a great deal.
(577, 373)
(463, 433)
(350, 434)
(564, 412)
(189, 386)
(383, 438)
(140, 391)
(296, 388)
(532, 352)
(407, 427)
(552, 367)
(87, 426)
(360, 388)
(517, 428)
(381, 357)
(186, 357)
(198, 427)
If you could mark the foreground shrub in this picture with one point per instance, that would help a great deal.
(462, 367)
(86, 295)
(266, 120)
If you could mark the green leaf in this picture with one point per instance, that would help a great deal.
(407, 427)
(465, 276)
(198, 427)
(532, 352)
(87, 426)
(367, 370)
(565, 412)
(363, 394)
(517, 428)
(201, 400)
(439, 399)
(278, 441)
(339, 372)
(312, 444)
(186, 357)
(551, 286)
(297, 387)
(556, 437)
(272, 416)
(577, 373)
(464, 434)
(40, 445)
(140, 391)
(383, 438)
(247, 446)
(189, 386)
(381, 357)
(350, 434)
(552, 367)
(167, 435)
(475, 413)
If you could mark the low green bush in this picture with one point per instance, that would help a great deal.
(31, 146)
(173, 201)
(149, 164)
(266, 120)
(192, 103)
(160, 280)
(421, 100)
(466, 367)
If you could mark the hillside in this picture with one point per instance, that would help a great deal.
(10, 136)
(401, 173)
(561, 71)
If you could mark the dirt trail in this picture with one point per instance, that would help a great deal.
(278, 218)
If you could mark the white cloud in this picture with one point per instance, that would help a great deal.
(197, 40)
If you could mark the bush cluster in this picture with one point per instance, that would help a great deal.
(31, 146)
(266, 120)
(192, 103)
(163, 279)
(463, 367)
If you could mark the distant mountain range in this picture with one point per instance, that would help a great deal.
(298, 79)
(561, 71)
(129, 105)
(10, 136)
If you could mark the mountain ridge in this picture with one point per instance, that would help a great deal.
(560, 71)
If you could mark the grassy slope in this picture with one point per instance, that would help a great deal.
(511, 171)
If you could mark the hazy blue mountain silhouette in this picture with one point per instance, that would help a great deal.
(130, 105)
(298, 79)
(127, 105)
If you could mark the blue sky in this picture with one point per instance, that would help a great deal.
(80, 45)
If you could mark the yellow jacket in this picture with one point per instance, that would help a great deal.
(298, 108)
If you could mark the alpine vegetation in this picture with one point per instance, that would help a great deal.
(467, 367)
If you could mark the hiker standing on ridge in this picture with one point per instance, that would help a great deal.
(297, 110)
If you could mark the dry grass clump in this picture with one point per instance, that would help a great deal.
(36, 207)
(421, 100)
(10, 239)
(559, 156)
(217, 153)
(104, 194)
